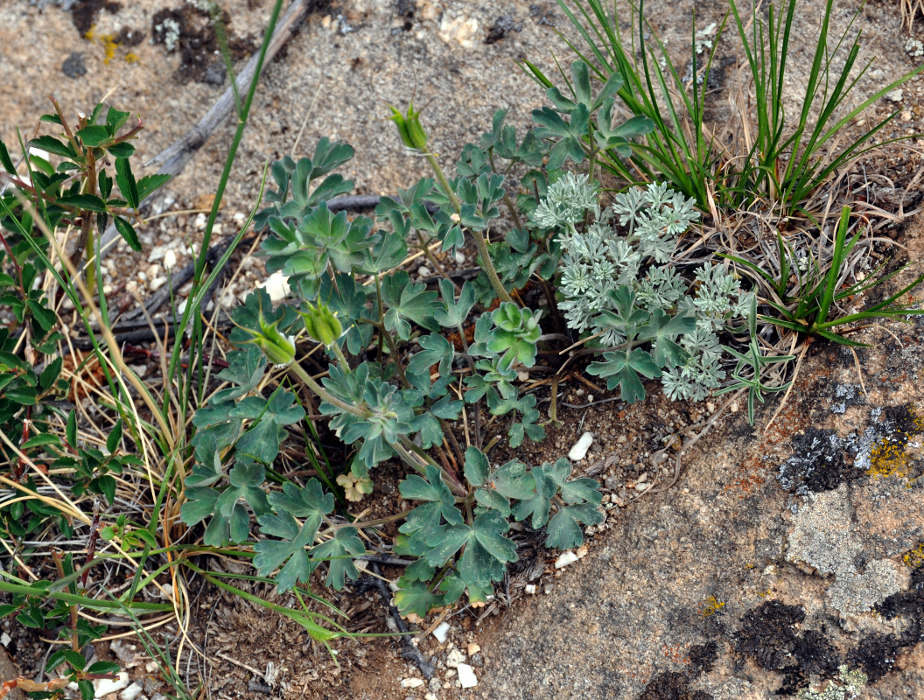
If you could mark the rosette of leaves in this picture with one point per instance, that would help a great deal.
(620, 288)
(462, 547)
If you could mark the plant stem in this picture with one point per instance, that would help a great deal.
(324, 394)
(480, 243)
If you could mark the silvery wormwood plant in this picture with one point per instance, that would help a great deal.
(401, 367)
(620, 288)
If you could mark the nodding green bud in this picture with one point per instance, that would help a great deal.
(409, 128)
(278, 347)
(322, 324)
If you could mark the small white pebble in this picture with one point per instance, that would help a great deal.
(530, 589)
(131, 692)
(454, 658)
(277, 286)
(201, 221)
(5, 639)
(473, 649)
(565, 558)
(157, 283)
(441, 632)
(579, 450)
(412, 682)
(169, 260)
(460, 257)
(105, 686)
(239, 219)
(467, 678)
(157, 253)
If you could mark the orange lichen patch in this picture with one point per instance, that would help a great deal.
(711, 606)
(914, 558)
(751, 478)
(889, 457)
(676, 653)
(109, 42)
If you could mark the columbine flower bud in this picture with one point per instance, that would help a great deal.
(322, 324)
(278, 347)
(409, 127)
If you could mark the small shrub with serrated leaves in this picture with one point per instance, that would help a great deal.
(405, 359)
(620, 288)
(77, 177)
(83, 179)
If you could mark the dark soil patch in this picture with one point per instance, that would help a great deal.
(84, 12)
(191, 31)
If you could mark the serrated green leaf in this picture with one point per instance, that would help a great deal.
(513, 481)
(126, 181)
(307, 501)
(123, 149)
(40, 440)
(94, 135)
(114, 437)
(86, 202)
(71, 429)
(115, 119)
(127, 231)
(149, 183)
(291, 549)
(52, 145)
(477, 466)
(580, 491)
(415, 597)
(564, 531)
(339, 552)
(492, 500)
(5, 159)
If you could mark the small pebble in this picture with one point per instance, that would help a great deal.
(169, 260)
(473, 649)
(131, 692)
(579, 450)
(105, 686)
(277, 286)
(157, 283)
(441, 632)
(412, 682)
(565, 558)
(530, 589)
(467, 678)
(454, 658)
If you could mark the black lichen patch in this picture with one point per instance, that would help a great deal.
(908, 605)
(83, 14)
(768, 636)
(818, 463)
(875, 655)
(703, 657)
(672, 686)
(406, 10)
(191, 32)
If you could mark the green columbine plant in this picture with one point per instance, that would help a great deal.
(405, 361)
